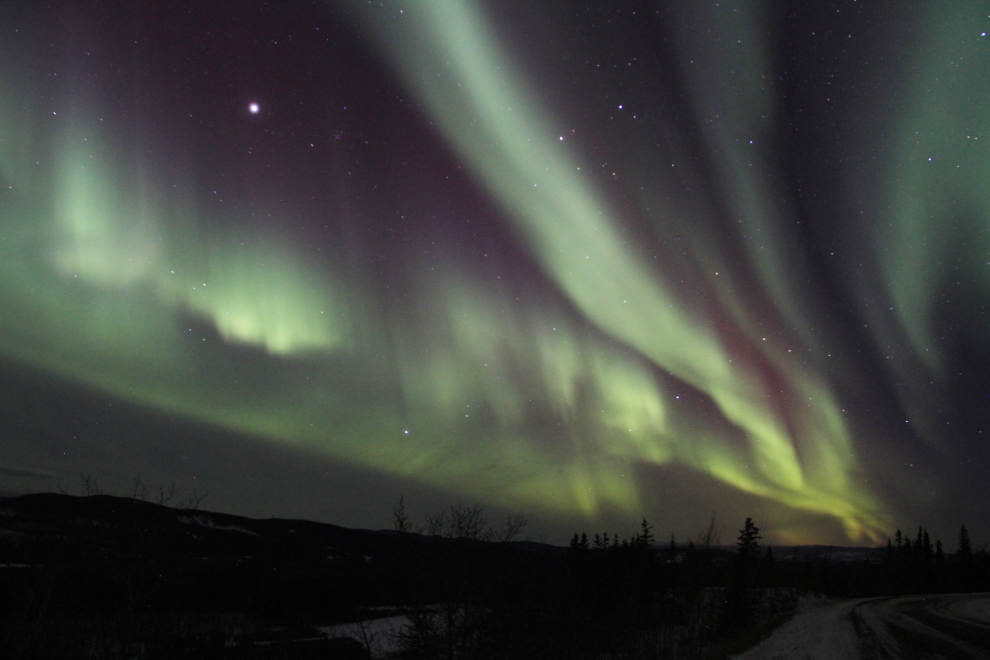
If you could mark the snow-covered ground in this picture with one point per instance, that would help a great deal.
(821, 629)
(381, 636)
(940, 627)
(975, 608)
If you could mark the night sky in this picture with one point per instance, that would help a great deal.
(592, 261)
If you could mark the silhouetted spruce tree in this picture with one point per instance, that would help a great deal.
(645, 534)
(740, 602)
(902, 564)
(926, 561)
(965, 549)
(939, 576)
(962, 572)
(749, 540)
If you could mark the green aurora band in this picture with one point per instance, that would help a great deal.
(931, 234)
(469, 85)
(110, 277)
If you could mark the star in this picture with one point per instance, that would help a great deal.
(253, 108)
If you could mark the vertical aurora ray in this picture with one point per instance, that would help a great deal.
(929, 238)
(461, 72)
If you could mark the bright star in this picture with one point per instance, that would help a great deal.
(254, 107)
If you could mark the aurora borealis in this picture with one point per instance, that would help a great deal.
(592, 262)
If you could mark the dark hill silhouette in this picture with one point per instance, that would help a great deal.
(124, 576)
(114, 552)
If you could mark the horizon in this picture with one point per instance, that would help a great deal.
(173, 499)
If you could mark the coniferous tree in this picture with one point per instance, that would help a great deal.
(965, 549)
(903, 550)
(645, 535)
(939, 567)
(963, 559)
(741, 603)
(749, 540)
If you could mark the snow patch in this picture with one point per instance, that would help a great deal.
(209, 523)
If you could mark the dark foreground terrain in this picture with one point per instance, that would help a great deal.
(105, 576)
(111, 577)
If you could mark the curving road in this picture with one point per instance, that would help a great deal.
(950, 627)
(954, 626)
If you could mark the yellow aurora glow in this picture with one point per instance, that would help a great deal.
(467, 81)
(635, 352)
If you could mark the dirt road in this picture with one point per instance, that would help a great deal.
(953, 627)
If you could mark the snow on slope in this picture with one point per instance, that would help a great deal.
(820, 630)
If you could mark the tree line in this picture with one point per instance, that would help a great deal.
(608, 596)
(602, 596)
(467, 584)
